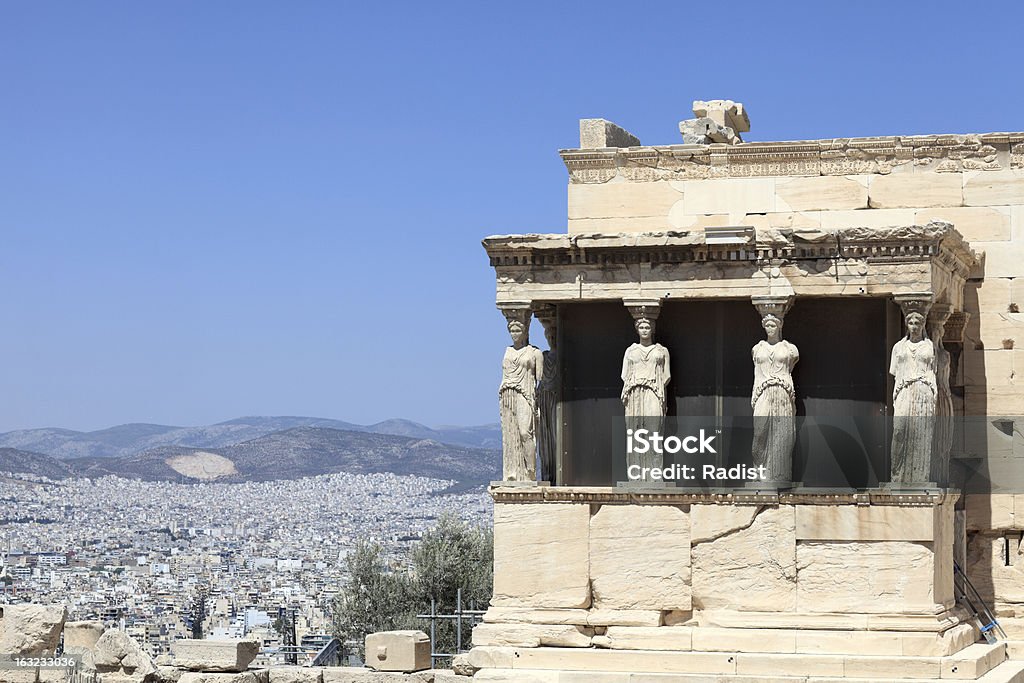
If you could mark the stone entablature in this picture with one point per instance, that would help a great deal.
(851, 261)
(838, 156)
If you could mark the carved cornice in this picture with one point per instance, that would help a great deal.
(669, 496)
(936, 240)
(840, 156)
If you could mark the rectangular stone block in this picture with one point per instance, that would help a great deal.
(711, 639)
(744, 566)
(1001, 259)
(975, 223)
(993, 401)
(991, 368)
(865, 577)
(914, 190)
(849, 642)
(626, 660)
(541, 555)
(995, 565)
(864, 523)
(614, 226)
(866, 218)
(991, 295)
(512, 615)
(214, 655)
(623, 617)
(789, 665)
(649, 638)
(640, 557)
(993, 188)
(824, 193)
(399, 651)
(1001, 330)
(732, 196)
(990, 512)
(622, 200)
(532, 635)
(892, 668)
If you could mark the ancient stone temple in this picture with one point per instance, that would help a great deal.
(841, 312)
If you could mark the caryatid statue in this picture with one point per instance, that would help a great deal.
(942, 438)
(773, 397)
(548, 395)
(914, 397)
(521, 369)
(645, 375)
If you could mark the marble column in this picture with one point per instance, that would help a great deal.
(521, 369)
(915, 396)
(773, 398)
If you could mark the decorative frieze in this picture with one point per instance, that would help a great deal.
(832, 157)
(613, 495)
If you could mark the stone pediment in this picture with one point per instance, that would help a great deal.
(745, 262)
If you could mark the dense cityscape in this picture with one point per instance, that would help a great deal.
(139, 553)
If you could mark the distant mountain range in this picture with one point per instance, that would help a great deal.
(257, 449)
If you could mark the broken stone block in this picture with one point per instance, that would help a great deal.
(405, 651)
(296, 674)
(725, 113)
(703, 131)
(349, 674)
(116, 657)
(215, 655)
(30, 630)
(236, 677)
(82, 635)
(598, 133)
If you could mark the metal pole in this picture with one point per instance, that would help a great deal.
(458, 621)
(433, 635)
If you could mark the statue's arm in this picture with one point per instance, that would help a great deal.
(668, 371)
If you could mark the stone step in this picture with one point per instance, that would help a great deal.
(1007, 672)
(970, 663)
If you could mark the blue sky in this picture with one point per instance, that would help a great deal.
(213, 209)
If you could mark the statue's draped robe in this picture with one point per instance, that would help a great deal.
(914, 404)
(645, 372)
(774, 402)
(943, 417)
(521, 369)
(547, 400)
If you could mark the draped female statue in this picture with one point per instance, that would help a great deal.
(547, 406)
(914, 401)
(521, 369)
(774, 402)
(645, 374)
(943, 436)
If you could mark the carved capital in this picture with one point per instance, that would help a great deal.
(547, 314)
(955, 327)
(776, 306)
(516, 311)
(915, 302)
(643, 309)
(937, 317)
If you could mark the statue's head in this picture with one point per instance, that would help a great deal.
(772, 325)
(517, 330)
(915, 324)
(644, 328)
